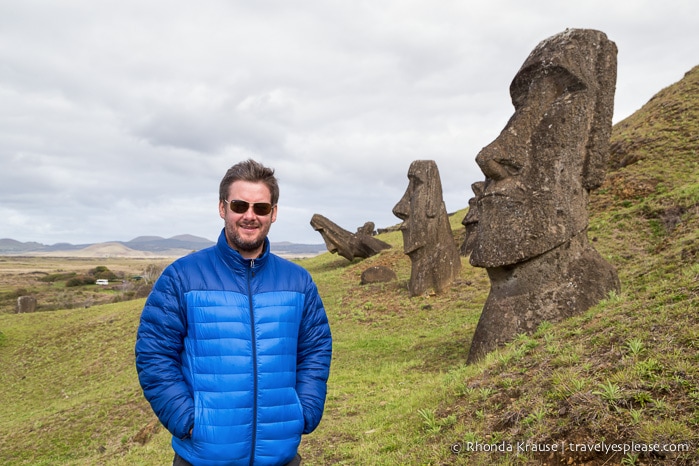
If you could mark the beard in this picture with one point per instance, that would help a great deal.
(241, 245)
(246, 245)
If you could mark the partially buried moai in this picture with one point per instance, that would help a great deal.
(427, 235)
(529, 230)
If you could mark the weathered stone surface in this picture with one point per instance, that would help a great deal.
(470, 221)
(346, 244)
(366, 229)
(560, 283)
(530, 229)
(427, 235)
(377, 274)
(26, 304)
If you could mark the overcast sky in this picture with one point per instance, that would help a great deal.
(119, 118)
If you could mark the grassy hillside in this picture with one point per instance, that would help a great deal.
(624, 374)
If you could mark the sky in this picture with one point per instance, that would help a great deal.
(119, 118)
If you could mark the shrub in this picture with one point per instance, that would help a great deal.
(102, 272)
(143, 291)
(80, 280)
(17, 292)
(57, 277)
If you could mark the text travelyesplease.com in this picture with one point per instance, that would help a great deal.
(600, 447)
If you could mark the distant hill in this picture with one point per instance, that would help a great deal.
(11, 246)
(156, 244)
(114, 249)
(141, 246)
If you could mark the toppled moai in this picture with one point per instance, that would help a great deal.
(348, 245)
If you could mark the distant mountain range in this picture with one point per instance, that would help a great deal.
(142, 246)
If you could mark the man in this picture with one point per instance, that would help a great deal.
(233, 349)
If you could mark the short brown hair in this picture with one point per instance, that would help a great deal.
(251, 171)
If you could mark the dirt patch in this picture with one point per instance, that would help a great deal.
(630, 186)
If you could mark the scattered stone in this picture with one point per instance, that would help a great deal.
(26, 304)
(377, 274)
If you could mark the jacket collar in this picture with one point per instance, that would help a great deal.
(233, 258)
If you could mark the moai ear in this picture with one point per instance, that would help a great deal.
(434, 189)
(597, 149)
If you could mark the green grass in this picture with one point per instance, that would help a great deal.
(626, 371)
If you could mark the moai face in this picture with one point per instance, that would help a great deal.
(427, 235)
(470, 221)
(420, 205)
(539, 170)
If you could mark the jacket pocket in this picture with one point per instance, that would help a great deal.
(197, 416)
(299, 406)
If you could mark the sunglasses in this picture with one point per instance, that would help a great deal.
(259, 208)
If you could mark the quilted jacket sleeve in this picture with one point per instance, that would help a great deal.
(313, 359)
(159, 344)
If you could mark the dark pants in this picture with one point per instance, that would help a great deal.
(179, 461)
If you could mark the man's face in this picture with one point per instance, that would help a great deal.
(246, 232)
(533, 199)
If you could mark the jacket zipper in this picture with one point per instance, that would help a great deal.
(253, 341)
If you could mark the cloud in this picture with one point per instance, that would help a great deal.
(118, 119)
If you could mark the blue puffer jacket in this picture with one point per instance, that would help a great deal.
(238, 349)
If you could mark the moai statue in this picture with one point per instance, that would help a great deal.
(348, 245)
(531, 220)
(427, 236)
(470, 221)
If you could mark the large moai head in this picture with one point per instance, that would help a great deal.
(551, 153)
(527, 223)
(427, 235)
